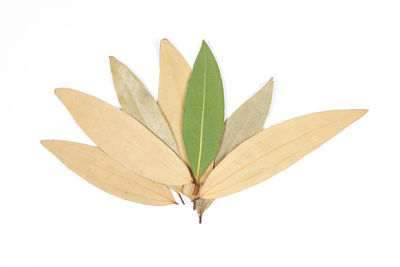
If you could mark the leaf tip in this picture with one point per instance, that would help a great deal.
(360, 112)
(271, 80)
(270, 84)
(61, 92)
(44, 142)
(164, 41)
(165, 45)
(47, 144)
(112, 59)
(114, 64)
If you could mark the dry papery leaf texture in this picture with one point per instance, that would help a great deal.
(181, 142)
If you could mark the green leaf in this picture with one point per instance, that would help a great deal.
(203, 116)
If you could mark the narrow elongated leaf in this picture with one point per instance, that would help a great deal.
(246, 121)
(174, 77)
(136, 100)
(125, 139)
(273, 150)
(203, 116)
(102, 171)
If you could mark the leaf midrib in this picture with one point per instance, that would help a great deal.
(202, 117)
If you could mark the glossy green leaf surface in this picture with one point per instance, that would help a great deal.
(203, 116)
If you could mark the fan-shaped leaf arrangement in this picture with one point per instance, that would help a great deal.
(182, 142)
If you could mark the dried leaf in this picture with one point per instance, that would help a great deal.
(273, 150)
(246, 121)
(174, 77)
(136, 100)
(203, 116)
(125, 139)
(102, 171)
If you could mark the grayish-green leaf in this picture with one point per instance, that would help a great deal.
(246, 121)
(136, 100)
(203, 116)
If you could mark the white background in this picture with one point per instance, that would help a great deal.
(339, 206)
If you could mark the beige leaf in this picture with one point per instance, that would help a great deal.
(246, 121)
(102, 171)
(136, 100)
(174, 76)
(125, 139)
(273, 150)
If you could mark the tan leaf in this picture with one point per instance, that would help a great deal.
(246, 121)
(125, 139)
(102, 171)
(136, 100)
(174, 76)
(273, 150)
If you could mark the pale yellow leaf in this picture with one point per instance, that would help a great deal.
(273, 150)
(125, 139)
(102, 171)
(174, 76)
(246, 121)
(136, 100)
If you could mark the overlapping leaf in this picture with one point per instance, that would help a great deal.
(174, 77)
(102, 171)
(203, 116)
(133, 160)
(189, 189)
(245, 122)
(273, 150)
(125, 139)
(136, 100)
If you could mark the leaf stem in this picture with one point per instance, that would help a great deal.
(180, 196)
